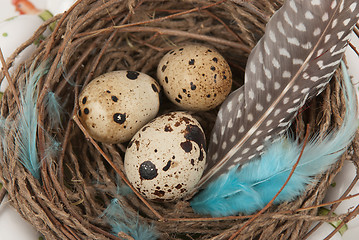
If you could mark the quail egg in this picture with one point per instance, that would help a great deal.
(115, 105)
(165, 159)
(195, 77)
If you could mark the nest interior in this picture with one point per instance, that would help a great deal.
(95, 37)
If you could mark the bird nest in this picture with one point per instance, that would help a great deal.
(79, 181)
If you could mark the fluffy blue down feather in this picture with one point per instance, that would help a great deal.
(26, 135)
(251, 188)
(122, 220)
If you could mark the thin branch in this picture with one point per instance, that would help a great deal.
(57, 27)
(9, 79)
(212, 16)
(347, 219)
(152, 20)
(164, 31)
(354, 48)
(356, 30)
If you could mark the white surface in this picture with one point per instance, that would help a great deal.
(346, 177)
(13, 227)
(323, 231)
(342, 182)
(13, 33)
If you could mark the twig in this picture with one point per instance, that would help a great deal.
(356, 30)
(65, 229)
(225, 26)
(172, 32)
(347, 218)
(161, 18)
(354, 48)
(57, 27)
(9, 79)
(280, 190)
(125, 236)
(136, 39)
(212, 16)
(253, 9)
(66, 40)
(118, 171)
(336, 203)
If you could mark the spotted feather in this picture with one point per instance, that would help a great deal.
(302, 46)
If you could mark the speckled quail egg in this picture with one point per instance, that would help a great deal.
(115, 105)
(195, 77)
(165, 159)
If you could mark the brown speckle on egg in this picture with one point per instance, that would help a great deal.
(132, 75)
(119, 118)
(186, 146)
(168, 165)
(114, 98)
(168, 128)
(193, 87)
(159, 193)
(148, 170)
(137, 145)
(154, 87)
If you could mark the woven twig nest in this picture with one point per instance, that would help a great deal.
(77, 184)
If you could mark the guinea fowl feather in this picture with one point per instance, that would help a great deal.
(257, 182)
(303, 44)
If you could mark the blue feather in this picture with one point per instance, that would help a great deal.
(54, 109)
(252, 187)
(122, 220)
(25, 138)
(52, 147)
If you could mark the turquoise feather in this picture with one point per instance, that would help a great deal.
(122, 220)
(252, 187)
(25, 138)
(54, 109)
